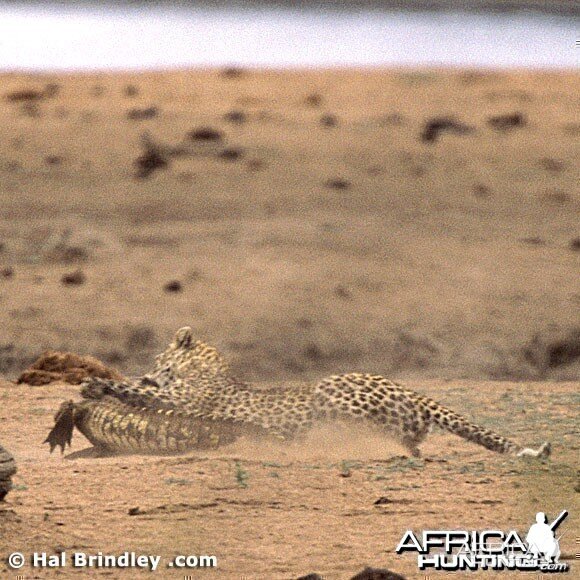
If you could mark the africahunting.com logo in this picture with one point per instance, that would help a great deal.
(488, 549)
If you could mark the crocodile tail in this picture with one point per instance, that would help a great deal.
(64, 422)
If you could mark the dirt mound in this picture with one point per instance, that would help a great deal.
(67, 367)
(552, 350)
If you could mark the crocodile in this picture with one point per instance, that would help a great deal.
(113, 426)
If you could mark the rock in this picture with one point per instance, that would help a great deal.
(236, 117)
(32, 95)
(205, 134)
(377, 574)
(338, 183)
(152, 159)
(507, 122)
(173, 286)
(328, 120)
(434, 127)
(142, 114)
(7, 470)
(383, 500)
(76, 278)
(148, 162)
(231, 154)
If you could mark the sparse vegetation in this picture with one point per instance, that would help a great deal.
(177, 481)
(242, 476)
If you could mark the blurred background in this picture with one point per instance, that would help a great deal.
(314, 187)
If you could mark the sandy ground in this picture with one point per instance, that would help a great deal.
(301, 223)
(269, 511)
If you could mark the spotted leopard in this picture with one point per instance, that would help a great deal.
(192, 377)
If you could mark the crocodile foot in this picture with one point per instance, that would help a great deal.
(61, 434)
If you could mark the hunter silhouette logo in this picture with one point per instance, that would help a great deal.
(541, 539)
(488, 549)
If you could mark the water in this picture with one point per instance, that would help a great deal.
(56, 37)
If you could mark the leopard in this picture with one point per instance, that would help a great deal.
(192, 377)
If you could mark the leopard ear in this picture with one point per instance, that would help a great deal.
(187, 358)
(183, 337)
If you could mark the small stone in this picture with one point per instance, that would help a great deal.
(328, 120)
(506, 122)
(150, 161)
(434, 127)
(23, 95)
(338, 183)
(173, 286)
(236, 117)
(314, 100)
(230, 154)
(143, 114)
(383, 500)
(53, 160)
(76, 278)
(205, 134)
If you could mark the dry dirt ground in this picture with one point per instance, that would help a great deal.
(320, 234)
(269, 511)
(305, 223)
